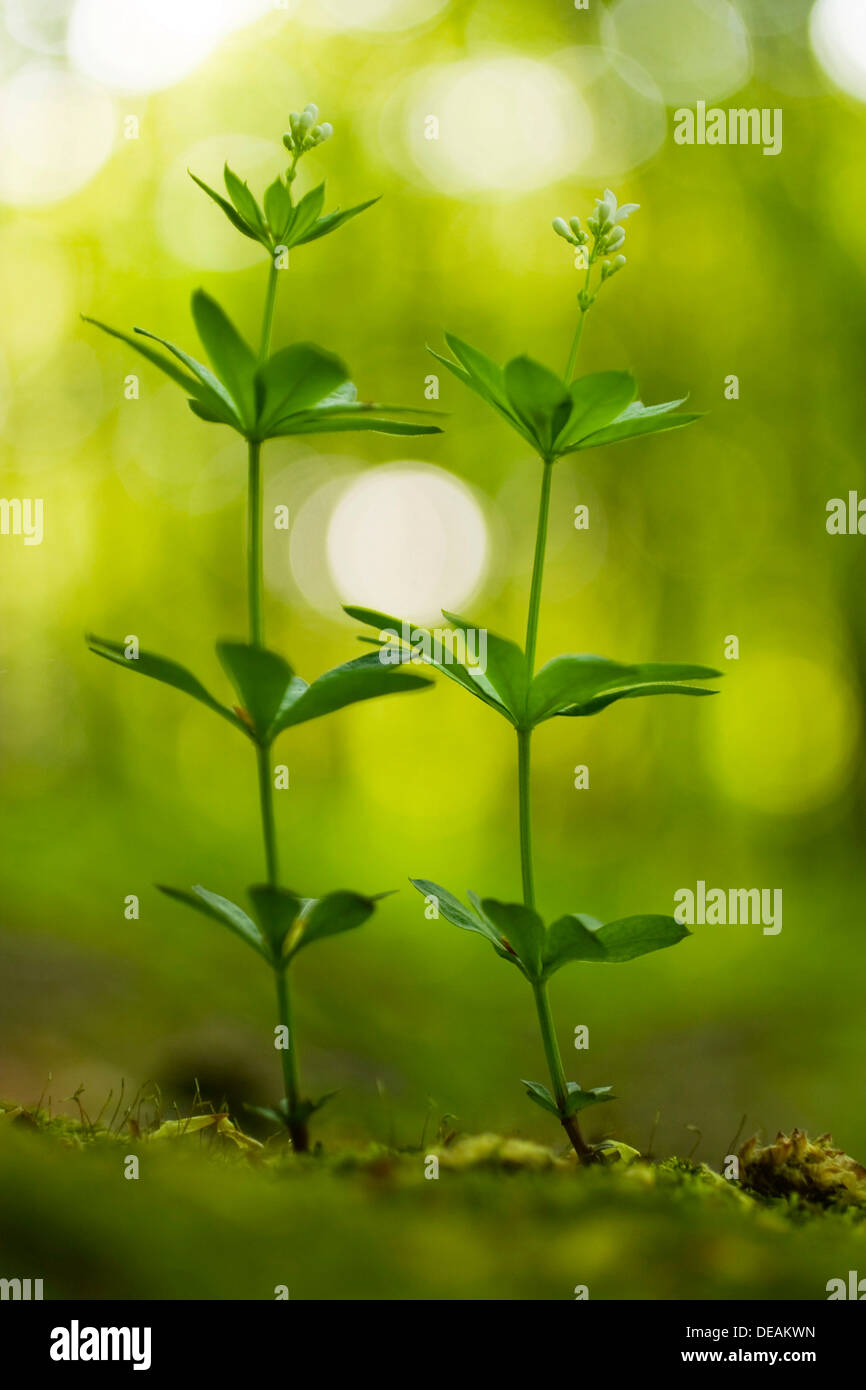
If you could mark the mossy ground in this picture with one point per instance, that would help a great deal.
(505, 1219)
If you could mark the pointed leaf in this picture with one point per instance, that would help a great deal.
(579, 1099)
(329, 916)
(276, 911)
(234, 217)
(332, 221)
(542, 1096)
(596, 400)
(294, 379)
(221, 910)
(572, 680)
(205, 402)
(485, 384)
(245, 203)
(421, 642)
(327, 421)
(637, 936)
(573, 937)
(649, 420)
(539, 398)
(505, 672)
(278, 208)
(161, 668)
(204, 375)
(233, 359)
(261, 679)
(521, 929)
(362, 679)
(646, 678)
(304, 215)
(470, 919)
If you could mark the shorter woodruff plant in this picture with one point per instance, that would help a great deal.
(298, 390)
(556, 415)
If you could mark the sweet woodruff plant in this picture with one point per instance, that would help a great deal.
(297, 390)
(555, 415)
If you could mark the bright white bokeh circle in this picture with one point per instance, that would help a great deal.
(56, 132)
(837, 30)
(691, 48)
(146, 45)
(501, 123)
(376, 16)
(408, 539)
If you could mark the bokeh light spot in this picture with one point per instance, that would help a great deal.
(56, 132)
(691, 48)
(837, 30)
(502, 123)
(408, 539)
(788, 733)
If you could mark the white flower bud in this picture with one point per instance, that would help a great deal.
(560, 226)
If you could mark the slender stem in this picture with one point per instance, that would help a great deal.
(297, 1128)
(575, 344)
(266, 798)
(538, 568)
(524, 736)
(523, 744)
(255, 572)
(557, 1072)
(268, 316)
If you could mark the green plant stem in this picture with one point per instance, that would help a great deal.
(268, 316)
(523, 753)
(524, 736)
(297, 1128)
(578, 333)
(266, 798)
(255, 572)
(557, 1072)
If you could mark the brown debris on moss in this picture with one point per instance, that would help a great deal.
(795, 1165)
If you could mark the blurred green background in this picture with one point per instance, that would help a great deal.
(739, 264)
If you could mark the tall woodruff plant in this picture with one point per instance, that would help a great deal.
(555, 415)
(298, 390)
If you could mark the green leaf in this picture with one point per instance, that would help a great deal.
(228, 914)
(596, 400)
(276, 911)
(206, 403)
(484, 377)
(361, 679)
(161, 668)
(453, 910)
(278, 208)
(231, 357)
(422, 642)
(572, 680)
(579, 1099)
(236, 220)
(304, 215)
(505, 672)
(573, 937)
(329, 916)
(328, 420)
(262, 680)
(639, 419)
(582, 938)
(245, 204)
(521, 929)
(631, 937)
(539, 398)
(293, 380)
(646, 678)
(205, 376)
(332, 221)
(542, 1096)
